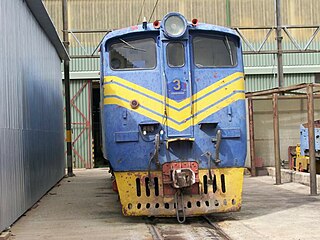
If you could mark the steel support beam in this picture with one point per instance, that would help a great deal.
(279, 44)
(67, 88)
(277, 90)
(312, 158)
(84, 56)
(282, 51)
(272, 27)
(89, 31)
(228, 13)
(286, 97)
(251, 136)
(276, 138)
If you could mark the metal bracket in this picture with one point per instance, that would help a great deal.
(218, 142)
(180, 211)
(299, 47)
(208, 156)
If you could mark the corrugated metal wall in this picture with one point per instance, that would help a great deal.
(267, 81)
(81, 125)
(111, 14)
(31, 125)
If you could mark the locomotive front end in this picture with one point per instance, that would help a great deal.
(173, 117)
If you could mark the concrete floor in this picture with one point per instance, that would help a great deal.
(81, 207)
(85, 207)
(271, 211)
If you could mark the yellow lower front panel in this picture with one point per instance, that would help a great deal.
(222, 195)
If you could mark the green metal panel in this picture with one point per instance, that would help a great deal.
(297, 59)
(81, 123)
(267, 81)
(84, 64)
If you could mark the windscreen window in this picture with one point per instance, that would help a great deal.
(175, 54)
(133, 54)
(214, 51)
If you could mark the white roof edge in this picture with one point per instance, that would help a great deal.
(41, 15)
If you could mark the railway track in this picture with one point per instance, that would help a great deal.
(193, 228)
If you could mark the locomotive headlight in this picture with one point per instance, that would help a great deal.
(174, 25)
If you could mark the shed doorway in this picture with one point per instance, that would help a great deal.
(99, 160)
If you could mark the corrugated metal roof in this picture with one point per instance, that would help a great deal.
(41, 15)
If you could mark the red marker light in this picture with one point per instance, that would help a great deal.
(194, 22)
(156, 24)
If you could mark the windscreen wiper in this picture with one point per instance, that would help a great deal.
(131, 47)
(229, 50)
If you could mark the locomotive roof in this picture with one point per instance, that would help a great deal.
(150, 28)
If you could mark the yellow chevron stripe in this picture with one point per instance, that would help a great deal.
(171, 102)
(205, 91)
(218, 84)
(218, 95)
(178, 116)
(144, 112)
(179, 127)
(126, 104)
(133, 86)
(207, 113)
(113, 89)
(219, 106)
(158, 107)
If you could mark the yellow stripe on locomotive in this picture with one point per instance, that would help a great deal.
(222, 193)
(120, 92)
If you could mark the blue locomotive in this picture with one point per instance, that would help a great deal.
(173, 117)
(301, 160)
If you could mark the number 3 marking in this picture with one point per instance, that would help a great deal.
(178, 84)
